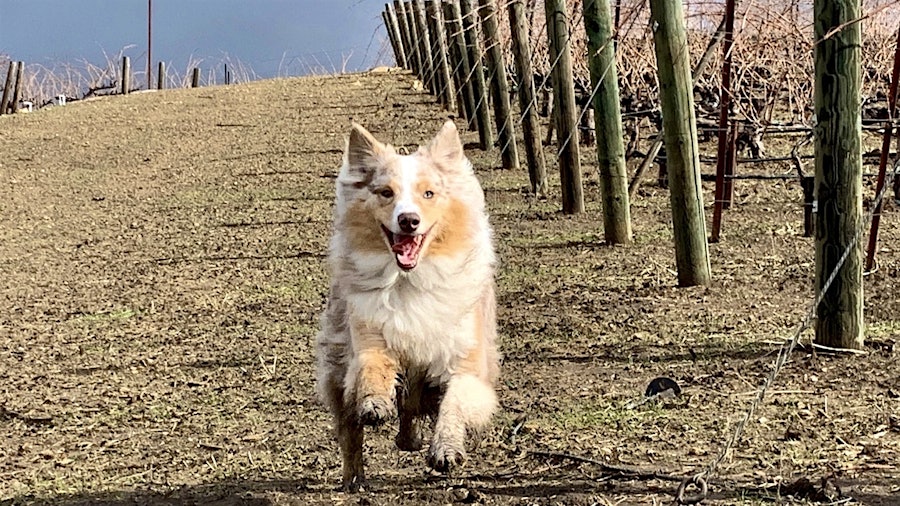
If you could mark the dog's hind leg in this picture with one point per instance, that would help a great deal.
(409, 402)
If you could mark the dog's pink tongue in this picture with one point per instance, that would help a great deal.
(406, 247)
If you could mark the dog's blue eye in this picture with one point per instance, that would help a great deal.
(428, 194)
(386, 193)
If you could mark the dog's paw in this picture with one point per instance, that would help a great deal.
(443, 458)
(375, 410)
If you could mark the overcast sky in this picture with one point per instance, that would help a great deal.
(273, 37)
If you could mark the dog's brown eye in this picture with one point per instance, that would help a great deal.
(428, 194)
(386, 193)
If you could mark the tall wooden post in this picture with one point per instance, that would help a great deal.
(394, 27)
(398, 61)
(682, 154)
(403, 26)
(161, 76)
(126, 75)
(413, 40)
(531, 126)
(608, 122)
(195, 77)
(437, 78)
(564, 104)
(8, 87)
(424, 44)
(459, 63)
(17, 89)
(479, 87)
(446, 92)
(838, 172)
(724, 109)
(506, 131)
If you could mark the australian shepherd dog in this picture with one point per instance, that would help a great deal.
(410, 326)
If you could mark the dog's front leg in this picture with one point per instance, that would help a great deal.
(372, 376)
(468, 404)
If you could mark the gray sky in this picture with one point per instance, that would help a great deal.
(273, 37)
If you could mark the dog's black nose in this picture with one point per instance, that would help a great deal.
(408, 222)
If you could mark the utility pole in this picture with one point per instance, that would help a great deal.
(149, 42)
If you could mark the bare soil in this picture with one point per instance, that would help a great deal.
(162, 258)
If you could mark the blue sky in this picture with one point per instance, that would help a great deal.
(273, 37)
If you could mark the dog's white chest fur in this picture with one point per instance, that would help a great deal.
(427, 317)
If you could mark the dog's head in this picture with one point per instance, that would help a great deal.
(408, 206)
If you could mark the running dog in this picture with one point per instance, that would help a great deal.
(410, 325)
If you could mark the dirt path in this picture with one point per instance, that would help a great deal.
(162, 265)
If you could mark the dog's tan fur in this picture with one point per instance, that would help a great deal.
(409, 329)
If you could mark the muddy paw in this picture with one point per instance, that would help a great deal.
(375, 410)
(443, 459)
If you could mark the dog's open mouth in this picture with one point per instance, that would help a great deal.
(406, 247)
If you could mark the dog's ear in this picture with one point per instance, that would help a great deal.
(446, 148)
(362, 152)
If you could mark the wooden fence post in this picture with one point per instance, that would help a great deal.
(682, 154)
(161, 76)
(418, 66)
(838, 146)
(17, 89)
(393, 26)
(447, 92)
(456, 51)
(566, 114)
(195, 77)
(506, 132)
(531, 126)
(8, 87)
(403, 26)
(126, 75)
(424, 43)
(479, 87)
(462, 69)
(608, 123)
(724, 131)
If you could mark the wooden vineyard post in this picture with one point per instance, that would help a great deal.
(682, 154)
(608, 123)
(417, 66)
(195, 77)
(403, 27)
(17, 89)
(437, 77)
(461, 70)
(447, 89)
(161, 76)
(564, 104)
(424, 44)
(838, 149)
(394, 31)
(883, 160)
(8, 87)
(126, 75)
(724, 109)
(479, 87)
(531, 125)
(506, 132)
